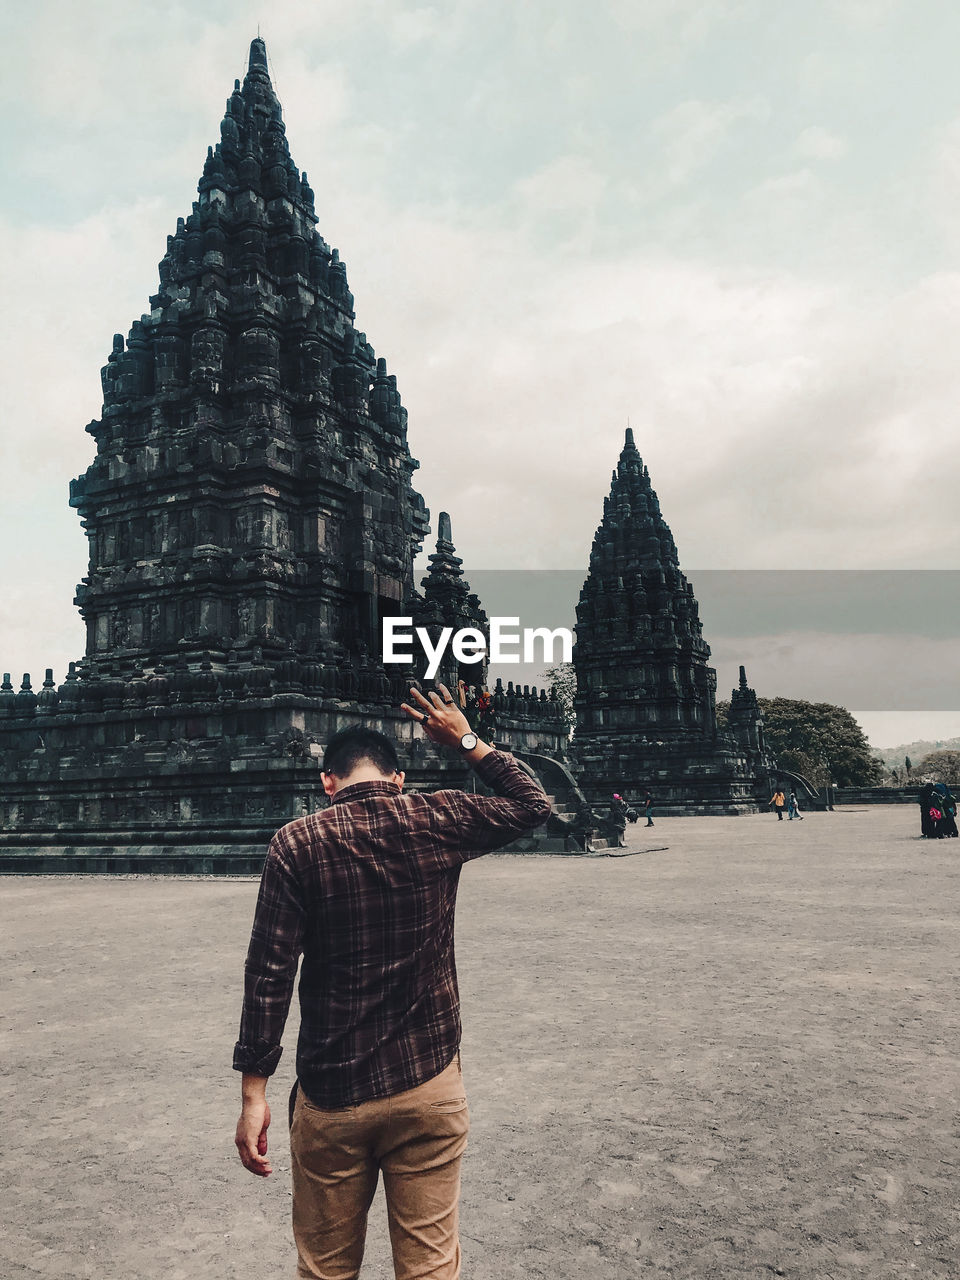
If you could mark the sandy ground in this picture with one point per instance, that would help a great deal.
(734, 1057)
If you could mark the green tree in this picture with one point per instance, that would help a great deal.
(819, 740)
(941, 766)
(562, 679)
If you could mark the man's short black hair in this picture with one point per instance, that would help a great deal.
(355, 744)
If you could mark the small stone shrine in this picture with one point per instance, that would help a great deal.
(447, 601)
(645, 703)
(251, 520)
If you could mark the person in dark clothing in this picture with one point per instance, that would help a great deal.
(648, 807)
(948, 807)
(931, 815)
(365, 891)
(617, 820)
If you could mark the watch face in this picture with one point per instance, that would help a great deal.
(469, 741)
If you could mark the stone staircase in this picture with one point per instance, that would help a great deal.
(572, 827)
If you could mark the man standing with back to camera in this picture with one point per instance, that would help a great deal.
(366, 891)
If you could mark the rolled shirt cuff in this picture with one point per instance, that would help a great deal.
(258, 1059)
(493, 765)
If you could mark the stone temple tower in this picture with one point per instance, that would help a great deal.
(645, 703)
(251, 486)
(251, 520)
(448, 602)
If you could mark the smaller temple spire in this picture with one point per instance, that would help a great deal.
(745, 719)
(445, 530)
(447, 601)
(743, 695)
(445, 565)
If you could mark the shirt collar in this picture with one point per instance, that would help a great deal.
(364, 790)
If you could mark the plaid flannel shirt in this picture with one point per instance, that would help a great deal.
(366, 890)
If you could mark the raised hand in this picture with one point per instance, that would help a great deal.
(443, 721)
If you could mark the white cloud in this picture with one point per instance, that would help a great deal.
(886, 729)
(817, 143)
(943, 184)
(67, 289)
(868, 13)
(410, 27)
(692, 133)
(788, 419)
(799, 185)
(561, 201)
(680, 21)
(775, 413)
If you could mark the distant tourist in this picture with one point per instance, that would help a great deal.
(778, 800)
(793, 808)
(948, 806)
(931, 813)
(648, 807)
(617, 820)
(366, 891)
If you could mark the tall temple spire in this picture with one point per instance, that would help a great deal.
(252, 478)
(646, 698)
(251, 524)
(640, 656)
(637, 609)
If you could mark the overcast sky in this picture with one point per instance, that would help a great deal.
(734, 223)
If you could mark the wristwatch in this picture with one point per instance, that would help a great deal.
(468, 741)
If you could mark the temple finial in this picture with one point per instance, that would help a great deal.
(628, 437)
(258, 56)
(444, 529)
(743, 677)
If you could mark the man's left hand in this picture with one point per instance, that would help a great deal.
(251, 1136)
(442, 720)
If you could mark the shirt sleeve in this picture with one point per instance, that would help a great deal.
(271, 967)
(517, 805)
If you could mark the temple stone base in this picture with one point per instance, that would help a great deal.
(177, 858)
(717, 778)
(196, 787)
(134, 859)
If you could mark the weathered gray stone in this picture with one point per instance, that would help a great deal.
(646, 698)
(251, 520)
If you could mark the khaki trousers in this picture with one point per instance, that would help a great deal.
(416, 1139)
